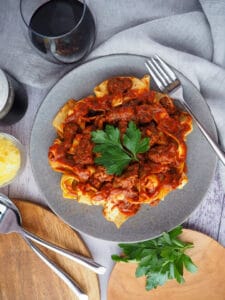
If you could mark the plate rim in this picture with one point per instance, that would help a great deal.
(81, 65)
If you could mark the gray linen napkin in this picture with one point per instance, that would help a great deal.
(188, 34)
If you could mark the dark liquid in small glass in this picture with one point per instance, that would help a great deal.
(19, 104)
(56, 32)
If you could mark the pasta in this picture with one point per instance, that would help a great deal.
(161, 169)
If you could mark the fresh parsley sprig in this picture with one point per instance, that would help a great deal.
(159, 259)
(116, 153)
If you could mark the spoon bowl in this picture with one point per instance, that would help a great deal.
(10, 218)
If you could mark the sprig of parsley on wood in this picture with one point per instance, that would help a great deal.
(116, 152)
(159, 259)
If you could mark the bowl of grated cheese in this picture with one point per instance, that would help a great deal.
(12, 158)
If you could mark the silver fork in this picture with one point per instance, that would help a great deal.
(169, 83)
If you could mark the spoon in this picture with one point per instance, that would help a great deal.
(11, 209)
(10, 221)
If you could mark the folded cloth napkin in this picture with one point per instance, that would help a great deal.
(189, 35)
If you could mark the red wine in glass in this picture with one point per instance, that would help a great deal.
(63, 31)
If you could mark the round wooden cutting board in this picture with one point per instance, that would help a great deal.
(23, 276)
(207, 284)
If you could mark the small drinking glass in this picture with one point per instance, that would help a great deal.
(63, 31)
(12, 158)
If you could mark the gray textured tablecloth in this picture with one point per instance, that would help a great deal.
(188, 34)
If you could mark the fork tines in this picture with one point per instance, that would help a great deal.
(160, 72)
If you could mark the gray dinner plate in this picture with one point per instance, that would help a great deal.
(149, 222)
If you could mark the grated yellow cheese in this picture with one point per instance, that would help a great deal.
(10, 160)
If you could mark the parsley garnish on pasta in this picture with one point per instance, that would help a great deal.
(117, 152)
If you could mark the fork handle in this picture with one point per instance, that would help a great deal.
(213, 144)
(64, 276)
(80, 259)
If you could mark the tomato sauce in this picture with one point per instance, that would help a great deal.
(158, 171)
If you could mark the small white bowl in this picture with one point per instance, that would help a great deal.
(22, 153)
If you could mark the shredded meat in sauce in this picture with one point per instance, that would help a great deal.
(142, 181)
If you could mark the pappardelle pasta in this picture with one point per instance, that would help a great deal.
(161, 169)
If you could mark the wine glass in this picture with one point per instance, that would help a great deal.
(63, 31)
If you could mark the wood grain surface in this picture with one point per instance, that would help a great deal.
(23, 276)
(206, 284)
(208, 218)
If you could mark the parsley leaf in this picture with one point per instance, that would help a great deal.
(114, 158)
(133, 142)
(160, 259)
(116, 153)
(109, 137)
